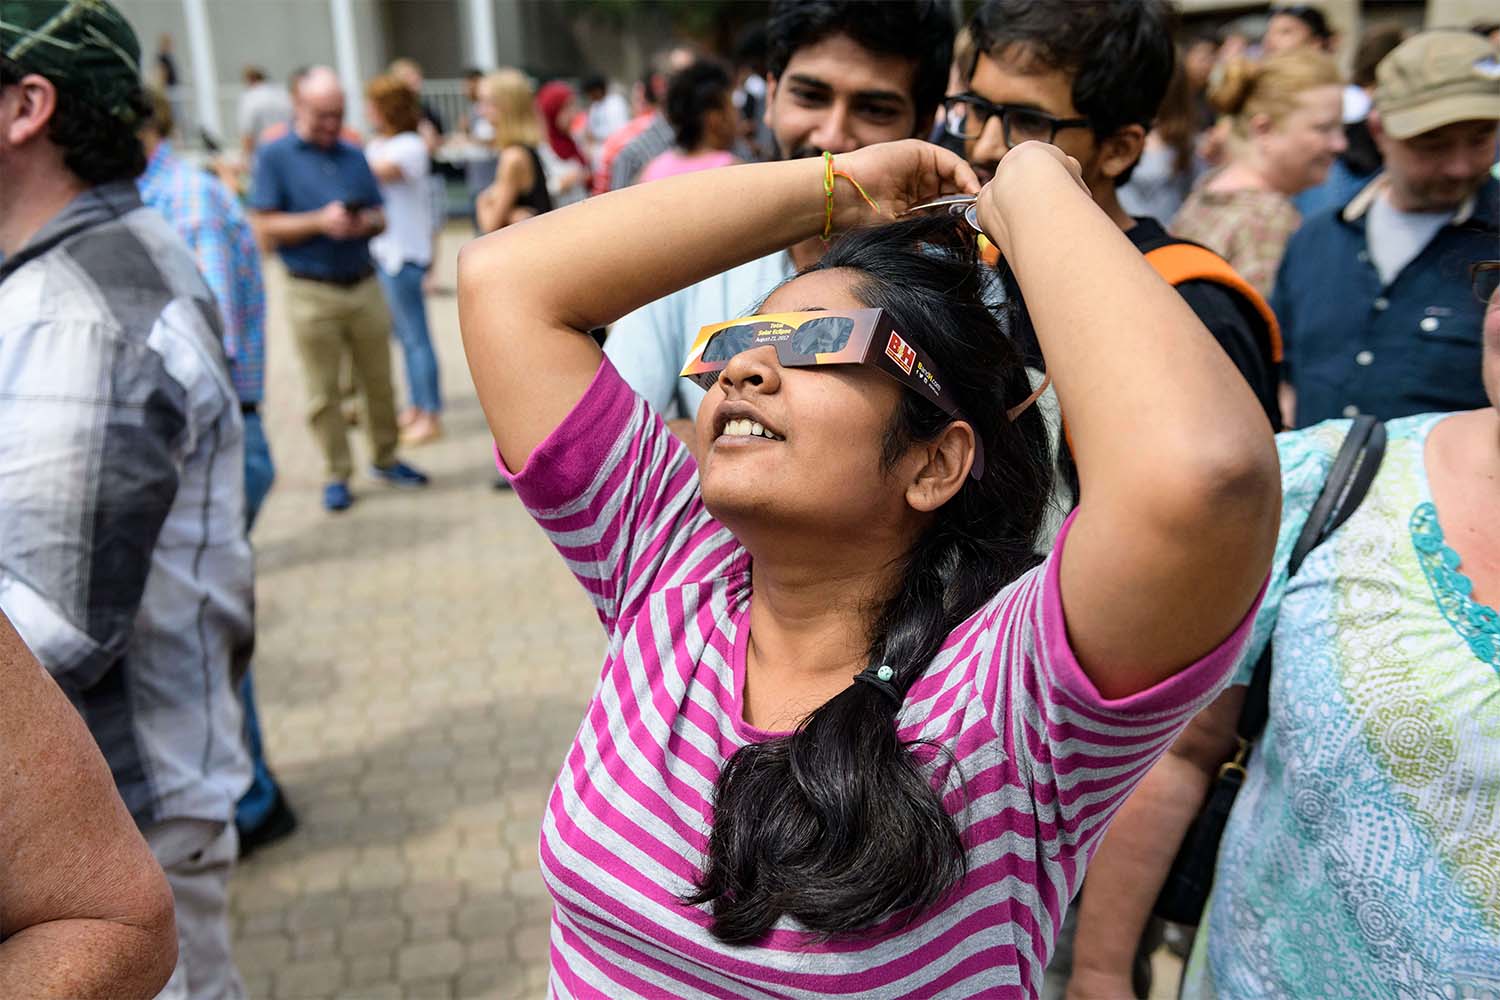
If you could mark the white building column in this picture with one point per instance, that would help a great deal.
(346, 54)
(481, 41)
(205, 71)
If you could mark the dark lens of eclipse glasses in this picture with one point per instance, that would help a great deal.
(824, 335)
(728, 342)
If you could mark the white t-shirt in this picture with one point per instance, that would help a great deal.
(408, 206)
(1396, 237)
(262, 106)
(607, 115)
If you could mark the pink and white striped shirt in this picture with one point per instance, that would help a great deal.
(1045, 760)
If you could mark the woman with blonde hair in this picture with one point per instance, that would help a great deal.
(1285, 129)
(520, 187)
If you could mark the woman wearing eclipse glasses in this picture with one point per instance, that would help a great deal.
(849, 738)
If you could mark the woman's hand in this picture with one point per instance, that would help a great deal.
(1025, 170)
(896, 176)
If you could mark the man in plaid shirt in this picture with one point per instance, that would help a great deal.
(124, 563)
(209, 219)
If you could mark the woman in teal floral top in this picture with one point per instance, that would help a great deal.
(1362, 858)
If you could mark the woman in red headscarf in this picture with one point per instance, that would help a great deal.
(567, 169)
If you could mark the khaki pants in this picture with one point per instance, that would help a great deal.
(330, 324)
(198, 857)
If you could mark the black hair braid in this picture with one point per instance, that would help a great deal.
(838, 825)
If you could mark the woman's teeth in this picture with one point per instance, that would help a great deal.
(748, 428)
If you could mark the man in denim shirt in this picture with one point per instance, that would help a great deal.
(316, 202)
(1374, 300)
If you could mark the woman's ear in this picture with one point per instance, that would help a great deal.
(1261, 125)
(944, 465)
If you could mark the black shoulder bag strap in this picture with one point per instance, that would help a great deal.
(1190, 878)
(1349, 479)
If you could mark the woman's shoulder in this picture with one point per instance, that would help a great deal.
(393, 145)
(518, 159)
(1307, 457)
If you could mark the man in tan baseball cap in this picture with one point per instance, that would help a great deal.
(1374, 300)
(1437, 102)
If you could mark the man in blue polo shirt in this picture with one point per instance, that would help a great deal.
(1374, 300)
(315, 200)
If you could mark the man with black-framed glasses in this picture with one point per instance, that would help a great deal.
(969, 115)
(1088, 77)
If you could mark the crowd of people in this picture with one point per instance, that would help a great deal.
(1118, 408)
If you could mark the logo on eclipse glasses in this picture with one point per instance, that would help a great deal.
(900, 352)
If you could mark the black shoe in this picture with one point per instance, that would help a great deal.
(279, 822)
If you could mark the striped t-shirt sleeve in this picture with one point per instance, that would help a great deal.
(618, 495)
(1080, 752)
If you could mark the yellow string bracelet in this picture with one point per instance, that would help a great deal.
(829, 173)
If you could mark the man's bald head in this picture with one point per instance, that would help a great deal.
(319, 99)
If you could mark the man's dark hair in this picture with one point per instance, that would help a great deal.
(594, 83)
(1120, 55)
(97, 146)
(692, 94)
(1309, 15)
(750, 49)
(919, 30)
(1375, 44)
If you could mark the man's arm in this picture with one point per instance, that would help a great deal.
(1281, 305)
(107, 454)
(84, 908)
(369, 223)
(1127, 872)
(274, 230)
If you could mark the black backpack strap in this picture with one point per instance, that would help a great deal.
(1349, 479)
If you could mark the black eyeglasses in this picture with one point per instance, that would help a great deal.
(1486, 279)
(966, 116)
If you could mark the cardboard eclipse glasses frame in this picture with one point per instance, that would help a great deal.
(809, 339)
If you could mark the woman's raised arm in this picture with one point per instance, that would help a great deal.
(529, 293)
(1179, 484)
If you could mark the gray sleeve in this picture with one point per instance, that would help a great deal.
(87, 479)
(646, 349)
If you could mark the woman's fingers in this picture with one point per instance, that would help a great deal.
(901, 174)
(956, 174)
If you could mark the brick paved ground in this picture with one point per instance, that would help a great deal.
(422, 664)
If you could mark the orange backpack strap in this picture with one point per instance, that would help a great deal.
(988, 252)
(1179, 262)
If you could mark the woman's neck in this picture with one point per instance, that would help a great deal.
(1241, 175)
(810, 624)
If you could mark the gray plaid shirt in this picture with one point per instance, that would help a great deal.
(655, 140)
(123, 558)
